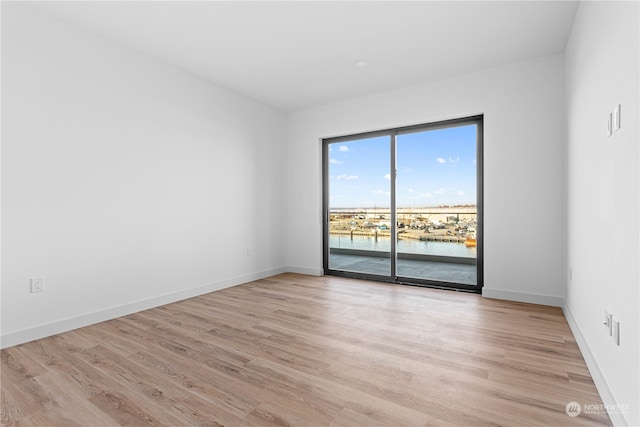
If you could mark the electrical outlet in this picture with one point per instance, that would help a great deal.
(37, 284)
(249, 252)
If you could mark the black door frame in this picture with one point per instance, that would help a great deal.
(392, 133)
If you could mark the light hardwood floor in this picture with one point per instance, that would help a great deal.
(307, 351)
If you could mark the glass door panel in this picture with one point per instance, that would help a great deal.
(436, 198)
(359, 200)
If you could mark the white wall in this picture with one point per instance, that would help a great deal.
(603, 196)
(523, 162)
(126, 183)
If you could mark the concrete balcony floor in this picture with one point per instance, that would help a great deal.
(427, 270)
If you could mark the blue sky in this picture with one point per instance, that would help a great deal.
(435, 167)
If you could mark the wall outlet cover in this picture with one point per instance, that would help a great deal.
(37, 284)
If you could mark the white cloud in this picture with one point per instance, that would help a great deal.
(387, 176)
(460, 193)
(439, 191)
(427, 194)
(343, 148)
(410, 190)
(386, 193)
(335, 162)
(442, 160)
(345, 176)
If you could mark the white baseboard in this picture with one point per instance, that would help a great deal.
(14, 338)
(609, 401)
(304, 270)
(523, 297)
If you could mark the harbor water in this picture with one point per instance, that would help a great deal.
(410, 246)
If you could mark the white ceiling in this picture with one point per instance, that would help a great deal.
(299, 54)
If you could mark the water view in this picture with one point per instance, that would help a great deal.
(383, 244)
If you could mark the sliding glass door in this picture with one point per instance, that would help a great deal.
(405, 205)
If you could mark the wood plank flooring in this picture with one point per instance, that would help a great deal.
(295, 350)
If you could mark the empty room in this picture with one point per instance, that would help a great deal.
(320, 213)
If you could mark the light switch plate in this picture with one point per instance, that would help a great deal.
(616, 332)
(610, 125)
(608, 321)
(616, 118)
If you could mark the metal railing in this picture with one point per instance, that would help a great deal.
(456, 225)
